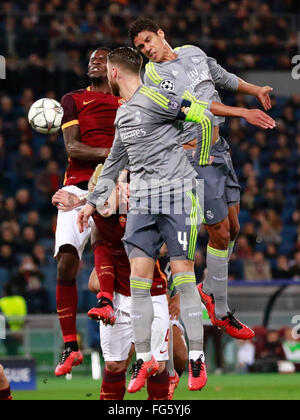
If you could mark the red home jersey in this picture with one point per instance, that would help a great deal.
(95, 114)
(112, 230)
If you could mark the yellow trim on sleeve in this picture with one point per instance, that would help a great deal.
(69, 124)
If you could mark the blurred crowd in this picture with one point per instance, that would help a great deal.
(47, 39)
(270, 351)
(47, 44)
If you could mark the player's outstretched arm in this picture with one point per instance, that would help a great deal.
(262, 93)
(230, 81)
(252, 116)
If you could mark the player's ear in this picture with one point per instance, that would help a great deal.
(114, 72)
(161, 34)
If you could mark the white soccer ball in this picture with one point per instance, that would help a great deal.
(45, 116)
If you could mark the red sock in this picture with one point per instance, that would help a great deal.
(113, 385)
(105, 271)
(5, 394)
(158, 386)
(66, 304)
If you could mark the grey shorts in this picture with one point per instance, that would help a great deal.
(221, 189)
(179, 232)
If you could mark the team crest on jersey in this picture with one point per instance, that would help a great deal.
(167, 85)
(173, 104)
(196, 60)
(210, 215)
(138, 117)
(122, 220)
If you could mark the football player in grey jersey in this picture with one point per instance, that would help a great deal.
(188, 72)
(161, 174)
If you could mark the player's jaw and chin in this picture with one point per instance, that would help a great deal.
(97, 77)
(114, 87)
(112, 83)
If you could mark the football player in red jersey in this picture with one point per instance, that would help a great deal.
(111, 261)
(5, 393)
(88, 133)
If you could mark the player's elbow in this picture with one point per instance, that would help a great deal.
(72, 151)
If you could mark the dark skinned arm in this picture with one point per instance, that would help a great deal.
(78, 150)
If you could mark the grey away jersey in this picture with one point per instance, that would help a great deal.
(194, 76)
(147, 138)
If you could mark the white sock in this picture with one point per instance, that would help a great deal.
(146, 357)
(194, 355)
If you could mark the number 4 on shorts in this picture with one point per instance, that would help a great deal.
(182, 239)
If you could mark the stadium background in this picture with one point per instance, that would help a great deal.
(46, 45)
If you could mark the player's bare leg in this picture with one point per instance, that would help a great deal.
(234, 226)
(180, 351)
(66, 302)
(4, 386)
(214, 290)
(94, 283)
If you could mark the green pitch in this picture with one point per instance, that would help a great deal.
(223, 387)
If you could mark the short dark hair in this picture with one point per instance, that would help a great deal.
(129, 58)
(103, 49)
(140, 25)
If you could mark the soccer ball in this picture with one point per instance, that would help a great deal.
(45, 116)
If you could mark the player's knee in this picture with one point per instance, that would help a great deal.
(114, 367)
(65, 276)
(141, 265)
(67, 268)
(219, 236)
(181, 266)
